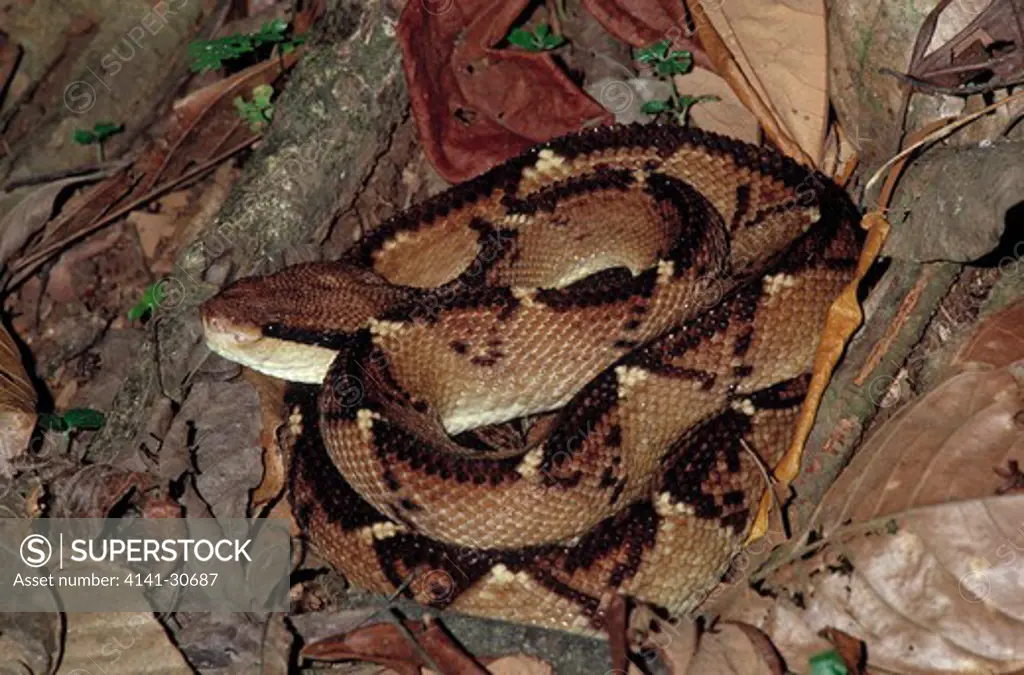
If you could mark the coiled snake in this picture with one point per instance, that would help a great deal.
(650, 295)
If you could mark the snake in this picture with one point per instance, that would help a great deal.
(562, 381)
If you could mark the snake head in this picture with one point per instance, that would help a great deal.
(290, 324)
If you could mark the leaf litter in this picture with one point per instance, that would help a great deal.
(932, 493)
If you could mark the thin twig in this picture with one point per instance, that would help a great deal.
(102, 170)
(770, 482)
(963, 90)
(27, 265)
(413, 642)
(938, 134)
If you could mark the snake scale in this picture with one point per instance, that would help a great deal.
(648, 297)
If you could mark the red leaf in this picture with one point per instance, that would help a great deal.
(475, 106)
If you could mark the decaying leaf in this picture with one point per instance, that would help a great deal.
(31, 642)
(405, 651)
(915, 552)
(734, 649)
(476, 105)
(28, 210)
(215, 436)
(986, 50)
(779, 73)
(271, 392)
(119, 643)
(92, 491)
(999, 341)
(17, 403)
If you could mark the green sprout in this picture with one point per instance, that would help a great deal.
(259, 112)
(680, 104)
(100, 132)
(73, 420)
(147, 305)
(540, 40)
(204, 55)
(666, 63)
(828, 663)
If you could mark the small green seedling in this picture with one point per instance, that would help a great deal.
(679, 105)
(74, 419)
(100, 132)
(258, 112)
(540, 40)
(666, 63)
(147, 305)
(828, 663)
(204, 55)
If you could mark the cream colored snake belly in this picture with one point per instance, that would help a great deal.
(651, 296)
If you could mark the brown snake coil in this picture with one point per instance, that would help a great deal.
(650, 296)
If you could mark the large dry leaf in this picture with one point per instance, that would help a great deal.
(29, 209)
(119, 643)
(999, 341)
(728, 648)
(31, 642)
(476, 105)
(733, 649)
(987, 50)
(17, 403)
(919, 557)
(780, 47)
(216, 436)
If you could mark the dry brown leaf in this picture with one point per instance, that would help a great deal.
(476, 105)
(271, 394)
(216, 437)
(941, 594)
(851, 650)
(999, 341)
(17, 403)
(92, 491)
(731, 649)
(152, 228)
(675, 642)
(517, 665)
(987, 49)
(119, 643)
(780, 47)
(31, 642)
(919, 559)
(944, 447)
(406, 652)
(28, 210)
(206, 122)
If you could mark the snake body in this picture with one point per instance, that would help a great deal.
(649, 295)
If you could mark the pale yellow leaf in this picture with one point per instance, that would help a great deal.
(780, 46)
